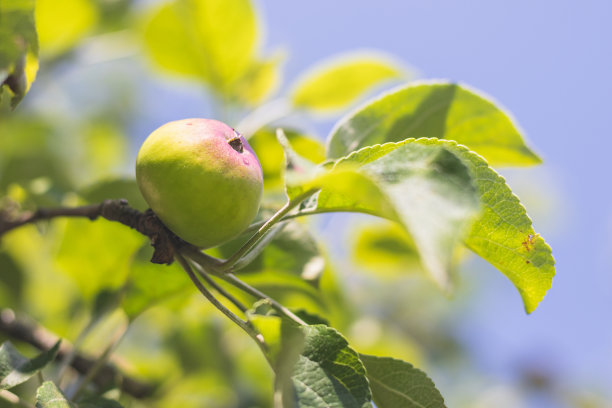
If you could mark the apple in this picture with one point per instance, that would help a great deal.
(201, 178)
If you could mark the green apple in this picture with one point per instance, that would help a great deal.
(201, 178)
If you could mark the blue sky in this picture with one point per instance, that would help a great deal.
(549, 63)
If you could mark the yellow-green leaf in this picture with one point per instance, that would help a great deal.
(18, 49)
(63, 24)
(437, 109)
(210, 40)
(338, 82)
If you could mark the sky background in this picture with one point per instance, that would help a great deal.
(549, 63)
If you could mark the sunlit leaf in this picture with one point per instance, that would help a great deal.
(428, 189)
(395, 383)
(49, 396)
(260, 80)
(16, 369)
(434, 109)
(270, 153)
(63, 24)
(504, 235)
(96, 255)
(210, 40)
(338, 82)
(18, 49)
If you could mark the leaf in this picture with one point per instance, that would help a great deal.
(99, 403)
(18, 48)
(96, 255)
(149, 284)
(261, 79)
(270, 153)
(337, 82)
(428, 190)
(395, 383)
(434, 109)
(328, 372)
(504, 236)
(63, 24)
(49, 396)
(386, 249)
(16, 369)
(210, 40)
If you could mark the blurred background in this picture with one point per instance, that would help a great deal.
(102, 88)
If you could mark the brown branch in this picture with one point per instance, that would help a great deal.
(147, 223)
(37, 336)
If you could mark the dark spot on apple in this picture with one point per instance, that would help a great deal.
(236, 144)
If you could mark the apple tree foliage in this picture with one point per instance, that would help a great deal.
(421, 155)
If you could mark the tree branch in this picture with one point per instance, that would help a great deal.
(40, 338)
(147, 223)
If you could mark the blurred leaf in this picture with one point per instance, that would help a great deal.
(16, 369)
(261, 79)
(210, 40)
(18, 48)
(12, 280)
(96, 255)
(385, 249)
(99, 403)
(207, 390)
(49, 396)
(115, 188)
(338, 82)
(395, 383)
(504, 235)
(150, 283)
(270, 153)
(428, 189)
(434, 109)
(63, 24)
(104, 149)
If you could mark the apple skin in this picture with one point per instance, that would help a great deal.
(201, 178)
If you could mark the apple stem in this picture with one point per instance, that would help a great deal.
(231, 278)
(244, 325)
(227, 265)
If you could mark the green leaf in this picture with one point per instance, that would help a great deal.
(386, 249)
(338, 82)
(314, 365)
(210, 40)
(99, 403)
(434, 109)
(270, 153)
(49, 396)
(63, 24)
(395, 383)
(18, 48)
(149, 284)
(16, 369)
(427, 189)
(328, 372)
(504, 236)
(261, 79)
(84, 254)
